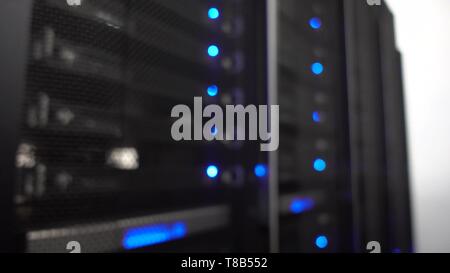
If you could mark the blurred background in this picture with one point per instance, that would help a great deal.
(423, 38)
(88, 160)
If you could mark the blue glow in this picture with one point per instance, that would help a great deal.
(320, 165)
(260, 170)
(213, 13)
(315, 23)
(212, 171)
(214, 131)
(321, 241)
(152, 235)
(213, 51)
(317, 68)
(213, 90)
(316, 117)
(299, 205)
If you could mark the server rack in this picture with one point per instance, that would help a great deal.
(377, 129)
(313, 160)
(342, 176)
(95, 161)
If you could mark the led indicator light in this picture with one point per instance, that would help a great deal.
(317, 68)
(213, 13)
(214, 131)
(213, 90)
(316, 117)
(321, 241)
(319, 165)
(299, 205)
(315, 23)
(212, 171)
(213, 51)
(260, 170)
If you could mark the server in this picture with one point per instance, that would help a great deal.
(95, 161)
(89, 163)
(341, 169)
(313, 160)
(381, 204)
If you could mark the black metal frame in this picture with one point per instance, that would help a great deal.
(395, 133)
(15, 17)
(377, 130)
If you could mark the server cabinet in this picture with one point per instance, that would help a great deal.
(95, 162)
(342, 166)
(377, 129)
(313, 159)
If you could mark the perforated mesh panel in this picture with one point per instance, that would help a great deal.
(102, 78)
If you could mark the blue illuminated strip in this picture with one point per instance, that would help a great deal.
(299, 205)
(152, 235)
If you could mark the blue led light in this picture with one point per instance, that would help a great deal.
(316, 117)
(321, 241)
(315, 23)
(213, 90)
(213, 13)
(317, 68)
(212, 171)
(152, 235)
(260, 170)
(319, 165)
(299, 205)
(214, 131)
(213, 51)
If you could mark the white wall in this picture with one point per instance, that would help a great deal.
(423, 36)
